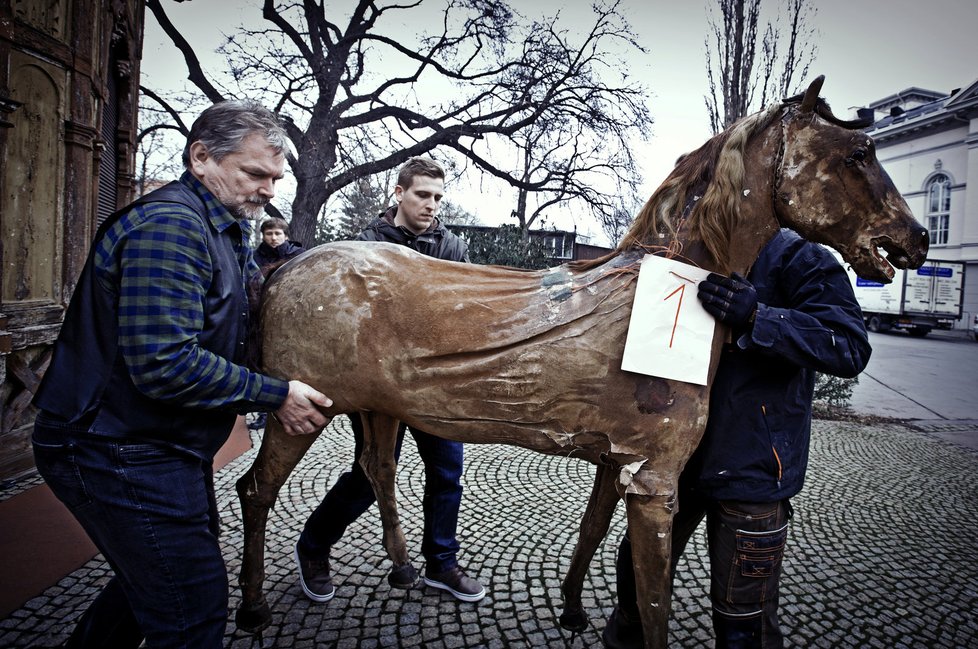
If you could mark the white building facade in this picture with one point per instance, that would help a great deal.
(928, 144)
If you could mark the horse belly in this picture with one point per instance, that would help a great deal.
(473, 354)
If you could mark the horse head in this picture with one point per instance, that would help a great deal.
(830, 188)
(795, 165)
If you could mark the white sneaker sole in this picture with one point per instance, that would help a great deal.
(316, 597)
(464, 597)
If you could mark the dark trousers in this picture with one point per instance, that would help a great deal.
(353, 494)
(746, 546)
(151, 513)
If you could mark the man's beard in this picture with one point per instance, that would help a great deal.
(253, 208)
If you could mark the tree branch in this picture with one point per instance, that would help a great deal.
(195, 72)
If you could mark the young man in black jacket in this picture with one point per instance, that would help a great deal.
(413, 222)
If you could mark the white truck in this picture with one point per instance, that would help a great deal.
(917, 301)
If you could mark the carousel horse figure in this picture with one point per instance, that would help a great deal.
(486, 354)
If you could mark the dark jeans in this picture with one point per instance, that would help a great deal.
(352, 495)
(746, 544)
(150, 511)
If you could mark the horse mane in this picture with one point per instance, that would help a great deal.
(717, 166)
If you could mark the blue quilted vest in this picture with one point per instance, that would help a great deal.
(88, 384)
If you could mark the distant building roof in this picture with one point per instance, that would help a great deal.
(910, 111)
(909, 96)
(587, 251)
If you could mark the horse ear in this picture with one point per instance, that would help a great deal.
(811, 95)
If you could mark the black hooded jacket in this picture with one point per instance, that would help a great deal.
(437, 241)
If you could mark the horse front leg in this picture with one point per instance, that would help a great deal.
(650, 531)
(257, 490)
(594, 527)
(377, 460)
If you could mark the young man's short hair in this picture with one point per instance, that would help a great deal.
(418, 166)
(275, 223)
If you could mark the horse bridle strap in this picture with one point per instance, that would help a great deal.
(779, 162)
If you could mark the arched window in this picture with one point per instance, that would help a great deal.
(938, 208)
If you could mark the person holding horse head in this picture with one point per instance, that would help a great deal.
(147, 377)
(794, 315)
(414, 223)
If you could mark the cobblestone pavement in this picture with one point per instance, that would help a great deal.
(882, 553)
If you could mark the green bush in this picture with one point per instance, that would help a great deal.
(833, 390)
(505, 246)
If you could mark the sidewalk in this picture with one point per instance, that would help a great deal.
(882, 554)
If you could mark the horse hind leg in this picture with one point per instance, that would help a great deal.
(257, 490)
(594, 527)
(377, 460)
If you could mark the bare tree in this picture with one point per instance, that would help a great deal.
(616, 224)
(740, 84)
(367, 84)
(583, 156)
(454, 214)
(591, 164)
(361, 202)
(154, 155)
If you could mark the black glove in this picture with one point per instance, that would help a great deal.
(731, 300)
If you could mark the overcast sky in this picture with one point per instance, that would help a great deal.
(867, 50)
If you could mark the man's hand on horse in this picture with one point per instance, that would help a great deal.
(731, 300)
(301, 413)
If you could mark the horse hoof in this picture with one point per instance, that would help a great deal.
(253, 619)
(574, 621)
(403, 577)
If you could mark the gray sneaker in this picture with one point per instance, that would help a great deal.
(455, 581)
(314, 577)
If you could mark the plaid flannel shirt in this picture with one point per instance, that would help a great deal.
(155, 257)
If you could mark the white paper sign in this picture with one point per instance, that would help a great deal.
(670, 334)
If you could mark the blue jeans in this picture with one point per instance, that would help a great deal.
(352, 495)
(746, 545)
(150, 511)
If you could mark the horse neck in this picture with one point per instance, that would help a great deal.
(758, 221)
(739, 241)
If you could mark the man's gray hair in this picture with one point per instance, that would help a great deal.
(222, 127)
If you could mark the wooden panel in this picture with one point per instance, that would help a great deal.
(32, 313)
(32, 184)
(50, 17)
(28, 375)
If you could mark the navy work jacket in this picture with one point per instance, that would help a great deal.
(755, 448)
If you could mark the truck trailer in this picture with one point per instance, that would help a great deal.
(917, 301)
